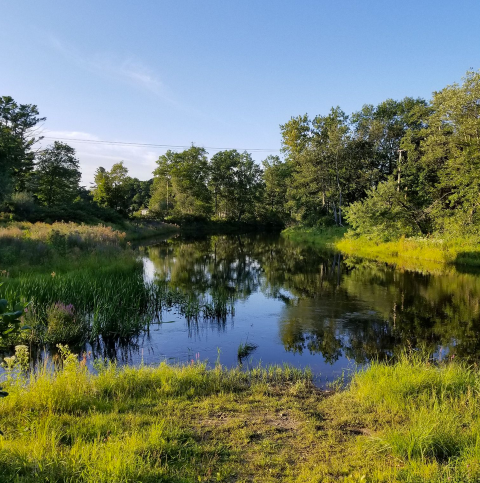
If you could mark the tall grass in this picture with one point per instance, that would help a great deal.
(428, 415)
(124, 425)
(109, 300)
(30, 245)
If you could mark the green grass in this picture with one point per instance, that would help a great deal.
(322, 237)
(423, 253)
(416, 253)
(411, 421)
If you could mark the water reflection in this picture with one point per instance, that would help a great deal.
(326, 305)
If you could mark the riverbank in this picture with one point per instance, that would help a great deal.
(412, 421)
(429, 253)
(463, 252)
(27, 245)
(321, 237)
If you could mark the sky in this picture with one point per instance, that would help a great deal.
(220, 73)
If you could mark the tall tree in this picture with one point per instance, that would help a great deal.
(236, 184)
(18, 135)
(180, 184)
(57, 175)
(318, 157)
(112, 188)
(277, 175)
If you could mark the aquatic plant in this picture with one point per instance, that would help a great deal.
(64, 324)
(244, 350)
(11, 319)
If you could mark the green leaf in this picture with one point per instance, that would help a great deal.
(3, 306)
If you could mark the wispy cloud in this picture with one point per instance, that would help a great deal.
(129, 70)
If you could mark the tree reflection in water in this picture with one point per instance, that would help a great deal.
(332, 306)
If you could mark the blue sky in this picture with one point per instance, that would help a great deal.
(221, 73)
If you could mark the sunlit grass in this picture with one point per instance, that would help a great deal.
(427, 254)
(322, 237)
(411, 421)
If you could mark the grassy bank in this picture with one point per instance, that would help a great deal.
(412, 252)
(24, 245)
(411, 422)
(142, 230)
(417, 253)
(322, 237)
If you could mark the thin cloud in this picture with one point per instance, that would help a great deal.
(127, 70)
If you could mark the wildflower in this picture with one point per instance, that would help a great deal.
(53, 274)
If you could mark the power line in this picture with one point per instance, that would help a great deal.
(120, 143)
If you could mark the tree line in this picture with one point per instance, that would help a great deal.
(403, 167)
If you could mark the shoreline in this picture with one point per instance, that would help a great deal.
(392, 422)
(420, 254)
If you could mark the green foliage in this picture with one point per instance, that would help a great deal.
(385, 214)
(17, 138)
(11, 323)
(180, 184)
(57, 175)
(236, 184)
(114, 189)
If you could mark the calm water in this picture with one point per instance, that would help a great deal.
(303, 307)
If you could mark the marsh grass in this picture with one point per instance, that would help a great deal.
(33, 244)
(108, 298)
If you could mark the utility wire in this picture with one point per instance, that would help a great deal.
(120, 143)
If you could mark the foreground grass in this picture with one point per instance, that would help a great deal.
(427, 253)
(407, 422)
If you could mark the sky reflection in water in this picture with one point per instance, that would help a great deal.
(303, 307)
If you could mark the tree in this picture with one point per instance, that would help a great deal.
(180, 184)
(443, 168)
(119, 181)
(113, 188)
(17, 138)
(385, 214)
(248, 187)
(221, 180)
(138, 194)
(317, 152)
(101, 188)
(57, 175)
(236, 184)
(382, 128)
(277, 176)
